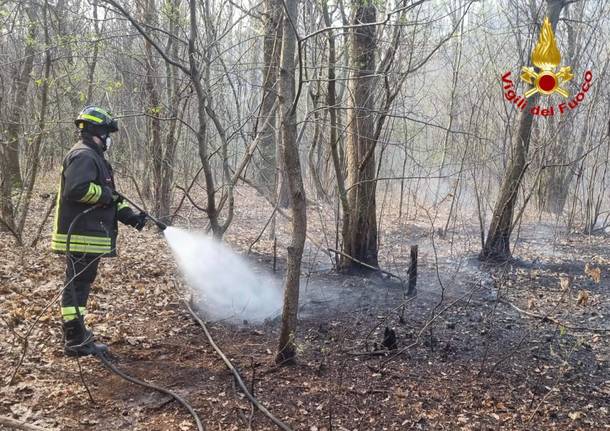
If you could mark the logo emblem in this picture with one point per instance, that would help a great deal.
(546, 57)
(545, 80)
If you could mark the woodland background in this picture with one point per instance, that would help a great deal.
(333, 134)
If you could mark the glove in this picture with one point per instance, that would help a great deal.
(130, 218)
(116, 198)
(137, 220)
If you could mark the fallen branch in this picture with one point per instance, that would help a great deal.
(372, 353)
(366, 265)
(553, 320)
(236, 375)
(20, 425)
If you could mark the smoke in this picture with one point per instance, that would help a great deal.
(226, 285)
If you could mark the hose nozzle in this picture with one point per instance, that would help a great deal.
(162, 226)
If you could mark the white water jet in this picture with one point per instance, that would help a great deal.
(227, 287)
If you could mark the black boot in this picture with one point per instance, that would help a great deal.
(79, 341)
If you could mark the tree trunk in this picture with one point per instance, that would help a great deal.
(314, 154)
(360, 232)
(292, 167)
(33, 153)
(171, 138)
(10, 174)
(555, 180)
(497, 244)
(331, 102)
(20, 88)
(282, 193)
(266, 173)
(155, 147)
(202, 131)
(94, 55)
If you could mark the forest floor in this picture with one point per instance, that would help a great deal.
(480, 348)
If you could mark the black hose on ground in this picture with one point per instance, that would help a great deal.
(101, 355)
(281, 425)
(142, 383)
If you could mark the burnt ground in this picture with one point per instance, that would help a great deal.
(465, 360)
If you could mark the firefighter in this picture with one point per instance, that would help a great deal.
(87, 183)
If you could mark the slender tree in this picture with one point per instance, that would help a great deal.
(292, 167)
(497, 243)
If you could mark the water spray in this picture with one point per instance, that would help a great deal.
(228, 287)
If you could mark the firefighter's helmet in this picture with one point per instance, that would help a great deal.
(98, 117)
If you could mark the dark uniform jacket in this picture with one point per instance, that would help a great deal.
(86, 180)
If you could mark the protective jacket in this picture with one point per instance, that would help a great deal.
(86, 180)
